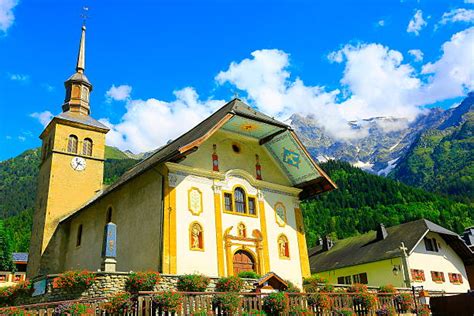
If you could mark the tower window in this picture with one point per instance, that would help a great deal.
(228, 201)
(87, 147)
(72, 144)
(79, 236)
(239, 202)
(252, 210)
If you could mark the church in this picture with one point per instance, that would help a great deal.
(218, 200)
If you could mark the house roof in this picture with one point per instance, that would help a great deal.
(20, 257)
(239, 117)
(82, 119)
(366, 248)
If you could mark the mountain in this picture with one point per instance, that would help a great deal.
(442, 158)
(387, 139)
(18, 178)
(364, 200)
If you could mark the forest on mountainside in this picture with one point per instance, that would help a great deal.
(442, 161)
(363, 200)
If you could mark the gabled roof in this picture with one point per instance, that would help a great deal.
(271, 133)
(83, 120)
(366, 248)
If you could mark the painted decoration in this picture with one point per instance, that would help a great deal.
(195, 201)
(291, 158)
(215, 158)
(248, 127)
(196, 237)
(109, 249)
(258, 168)
(280, 214)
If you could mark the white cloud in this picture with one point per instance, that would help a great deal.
(43, 117)
(453, 74)
(19, 77)
(381, 23)
(457, 15)
(416, 23)
(21, 138)
(120, 93)
(469, 1)
(6, 14)
(417, 54)
(148, 124)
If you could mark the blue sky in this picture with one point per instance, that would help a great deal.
(159, 67)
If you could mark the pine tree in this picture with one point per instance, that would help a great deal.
(6, 262)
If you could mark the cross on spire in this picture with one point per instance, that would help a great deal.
(84, 15)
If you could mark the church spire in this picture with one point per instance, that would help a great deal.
(78, 86)
(81, 56)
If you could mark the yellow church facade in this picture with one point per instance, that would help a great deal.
(220, 199)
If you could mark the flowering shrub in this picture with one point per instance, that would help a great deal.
(169, 301)
(387, 289)
(202, 313)
(405, 300)
(357, 288)
(299, 311)
(313, 283)
(423, 311)
(249, 275)
(229, 284)
(192, 283)
(74, 309)
(142, 281)
(321, 300)
(15, 311)
(228, 302)
(6, 296)
(20, 290)
(254, 313)
(366, 299)
(345, 311)
(275, 303)
(74, 280)
(386, 311)
(292, 288)
(327, 288)
(118, 303)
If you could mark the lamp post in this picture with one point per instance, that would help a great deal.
(424, 296)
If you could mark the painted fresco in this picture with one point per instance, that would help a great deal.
(247, 127)
(291, 158)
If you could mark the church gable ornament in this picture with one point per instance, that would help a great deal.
(195, 201)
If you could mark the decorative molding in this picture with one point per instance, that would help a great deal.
(280, 214)
(172, 180)
(195, 201)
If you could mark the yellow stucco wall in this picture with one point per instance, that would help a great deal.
(378, 273)
(137, 214)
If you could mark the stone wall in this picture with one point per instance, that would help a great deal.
(108, 283)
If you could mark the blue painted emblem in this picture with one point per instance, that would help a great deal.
(291, 158)
(109, 248)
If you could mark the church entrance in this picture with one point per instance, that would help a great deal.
(243, 261)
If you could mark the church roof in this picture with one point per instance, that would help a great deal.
(81, 119)
(366, 248)
(239, 117)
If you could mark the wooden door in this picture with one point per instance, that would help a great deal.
(243, 261)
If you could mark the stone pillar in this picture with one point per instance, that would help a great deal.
(109, 248)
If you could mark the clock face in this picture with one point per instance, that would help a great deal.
(78, 163)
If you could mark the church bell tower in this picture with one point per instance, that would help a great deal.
(72, 166)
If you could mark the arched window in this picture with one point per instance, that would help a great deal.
(87, 147)
(283, 247)
(108, 217)
(196, 238)
(72, 144)
(239, 200)
(79, 236)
